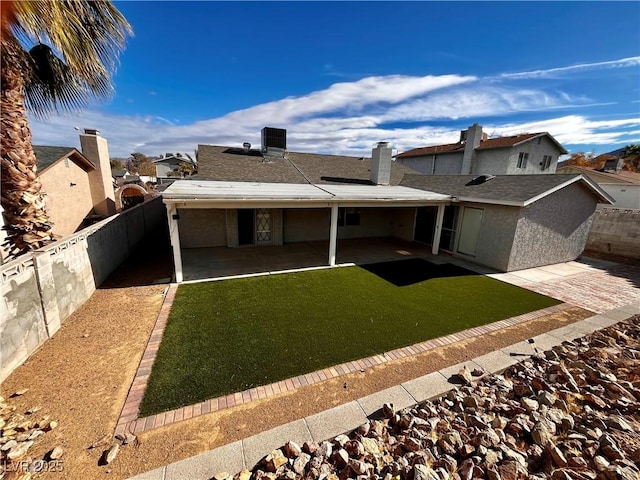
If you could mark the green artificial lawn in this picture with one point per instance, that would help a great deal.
(232, 335)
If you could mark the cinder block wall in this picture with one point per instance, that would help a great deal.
(41, 289)
(616, 231)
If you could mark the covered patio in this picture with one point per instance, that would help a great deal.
(222, 262)
(229, 198)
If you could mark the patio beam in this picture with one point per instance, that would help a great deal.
(436, 236)
(333, 235)
(174, 235)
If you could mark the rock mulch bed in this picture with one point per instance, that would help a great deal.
(18, 432)
(572, 413)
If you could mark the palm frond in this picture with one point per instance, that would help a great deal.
(85, 39)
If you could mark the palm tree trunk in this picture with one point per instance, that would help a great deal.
(26, 221)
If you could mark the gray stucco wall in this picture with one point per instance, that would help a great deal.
(496, 235)
(553, 229)
(201, 227)
(446, 164)
(41, 289)
(536, 152)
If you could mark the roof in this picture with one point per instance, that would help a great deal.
(515, 190)
(48, 155)
(222, 191)
(236, 165)
(624, 176)
(490, 143)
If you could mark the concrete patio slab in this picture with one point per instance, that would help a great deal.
(496, 362)
(512, 279)
(223, 459)
(398, 396)
(601, 321)
(264, 443)
(631, 309)
(562, 269)
(427, 387)
(335, 421)
(535, 275)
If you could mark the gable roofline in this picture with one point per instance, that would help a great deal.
(579, 178)
(72, 153)
(621, 178)
(489, 144)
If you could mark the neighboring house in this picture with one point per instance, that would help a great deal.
(167, 165)
(477, 154)
(622, 185)
(242, 197)
(77, 185)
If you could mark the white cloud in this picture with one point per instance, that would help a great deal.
(350, 117)
(584, 67)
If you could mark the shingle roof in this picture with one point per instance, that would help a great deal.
(502, 189)
(499, 142)
(234, 164)
(48, 155)
(624, 176)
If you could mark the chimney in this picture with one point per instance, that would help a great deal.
(473, 137)
(381, 164)
(94, 147)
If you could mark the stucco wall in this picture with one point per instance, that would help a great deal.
(496, 235)
(66, 205)
(41, 289)
(404, 220)
(200, 227)
(553, 229)
(374, 222)
(627, 195)
(492, 162)
(306, 224)
(446, 164)
(536, 151)
(616, 231)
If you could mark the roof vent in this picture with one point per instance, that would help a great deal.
(246, 146)
(480, 180)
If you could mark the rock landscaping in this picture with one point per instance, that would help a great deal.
(571, 413)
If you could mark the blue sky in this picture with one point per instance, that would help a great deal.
(340, 76)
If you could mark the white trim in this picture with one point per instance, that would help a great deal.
(436, 236)
(508, 203)
(175, 242)
(604, 195)
(333, 235)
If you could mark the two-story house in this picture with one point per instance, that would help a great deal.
(477, 154)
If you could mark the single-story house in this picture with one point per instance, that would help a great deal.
(243, 197)
(477, 154)
(622, 185)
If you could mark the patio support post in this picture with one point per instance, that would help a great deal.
(436, 236)
(333, 235)
(175, 240)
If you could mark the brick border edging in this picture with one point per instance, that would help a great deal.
(131, 423)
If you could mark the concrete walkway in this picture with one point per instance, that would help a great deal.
(612, 290)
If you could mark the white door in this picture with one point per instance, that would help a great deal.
(470, 230)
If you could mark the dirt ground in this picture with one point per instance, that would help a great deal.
(81, 377)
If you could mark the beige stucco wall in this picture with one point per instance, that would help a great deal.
(374, 222)
(202, 228)
(67, 206)
(404, 220)
(306, 224)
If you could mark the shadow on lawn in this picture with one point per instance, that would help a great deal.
(402, 273)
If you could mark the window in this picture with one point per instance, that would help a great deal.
(522, 159)
(348, 216)
(546, 162)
